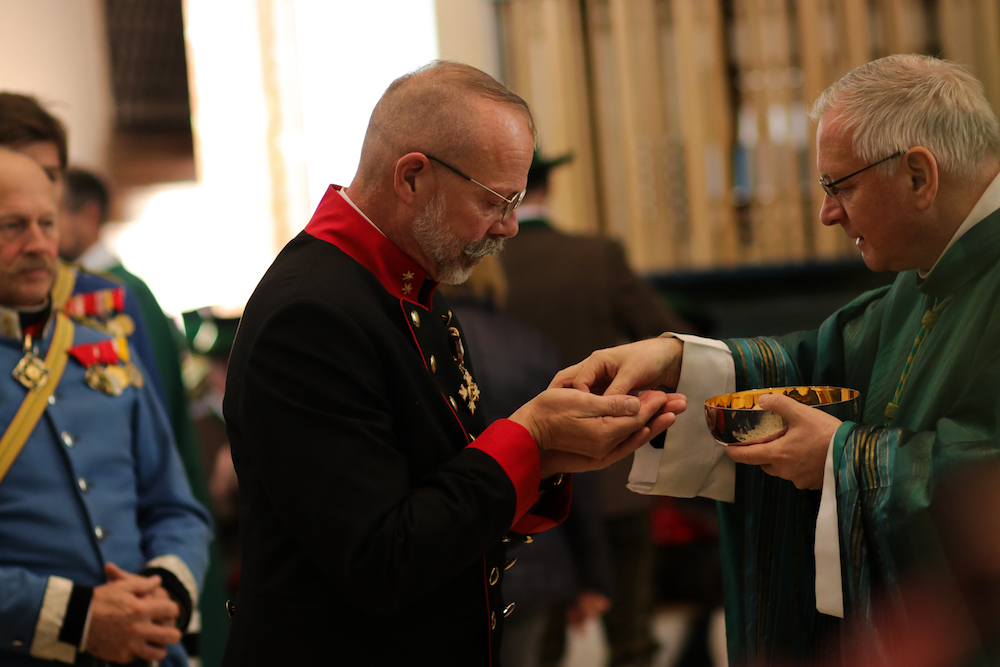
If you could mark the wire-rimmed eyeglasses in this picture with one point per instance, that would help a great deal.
(511, 203)
(832, 189)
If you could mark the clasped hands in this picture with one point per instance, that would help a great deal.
(614, 374)
(131, 617)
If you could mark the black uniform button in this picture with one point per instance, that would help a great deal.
(454, 405)
(494, 576)
(434, 364)
(508, 609)
(505, 539)
(528, 539)
(510, 563)
(415, 318)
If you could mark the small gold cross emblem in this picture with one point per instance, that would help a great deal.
(469, 391)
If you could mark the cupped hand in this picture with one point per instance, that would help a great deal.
(799, 455)
(577, 431)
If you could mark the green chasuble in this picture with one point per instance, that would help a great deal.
(925, 355)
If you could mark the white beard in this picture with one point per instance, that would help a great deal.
(452, 259)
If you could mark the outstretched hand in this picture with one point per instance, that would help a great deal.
(131, 617)
(798, 455)
(577, 431)
(647, 364)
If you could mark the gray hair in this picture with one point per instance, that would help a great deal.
(901, 101)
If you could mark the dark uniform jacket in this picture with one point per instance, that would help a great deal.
(374, 500)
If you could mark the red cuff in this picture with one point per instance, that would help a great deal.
(510, 445)
(551, 511)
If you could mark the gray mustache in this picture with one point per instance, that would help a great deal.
(490, 245)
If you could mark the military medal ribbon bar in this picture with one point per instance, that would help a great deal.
(99, 304)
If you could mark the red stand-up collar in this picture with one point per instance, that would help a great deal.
(336, 221)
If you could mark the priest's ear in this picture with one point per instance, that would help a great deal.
(922, 174)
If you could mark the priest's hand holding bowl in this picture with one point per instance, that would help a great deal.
(787, 437)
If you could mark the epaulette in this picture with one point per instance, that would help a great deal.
(106, 275)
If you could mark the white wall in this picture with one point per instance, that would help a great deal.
(467, 31)
(347, 52)
(56, 50)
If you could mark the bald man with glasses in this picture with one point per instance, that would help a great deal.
(376, 504)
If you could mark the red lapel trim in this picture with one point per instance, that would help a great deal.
(336, 221)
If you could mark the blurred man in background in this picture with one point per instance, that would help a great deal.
(128, 309)
(580, 292)
(102, 546)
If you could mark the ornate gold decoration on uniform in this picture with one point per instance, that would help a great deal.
(37, 398)
(469, 391)
(101, 310)
(31, 370)
(109, 368)
(407, 278)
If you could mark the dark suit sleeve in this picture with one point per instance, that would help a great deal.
(325, 445)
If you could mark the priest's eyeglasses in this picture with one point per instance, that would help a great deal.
(832, 189)
(510, 204)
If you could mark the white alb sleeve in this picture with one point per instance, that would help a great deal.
(691, 462)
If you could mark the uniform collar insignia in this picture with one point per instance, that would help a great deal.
(339, 222)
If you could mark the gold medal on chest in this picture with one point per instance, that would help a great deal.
(110, 379)
(135, 375)
(31, 370)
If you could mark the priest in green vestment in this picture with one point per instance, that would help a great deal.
(824, 528)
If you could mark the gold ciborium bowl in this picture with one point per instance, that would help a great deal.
(736, 419)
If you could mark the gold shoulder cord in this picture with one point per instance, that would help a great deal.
(62, 288)
(36, 399)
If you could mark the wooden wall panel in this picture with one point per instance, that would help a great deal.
(705, 122)
(988, 49)
(636, 56)
(549, 72)
(656, 97)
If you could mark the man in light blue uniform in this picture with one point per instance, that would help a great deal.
(102, 546)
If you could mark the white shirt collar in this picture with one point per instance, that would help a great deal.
(988, 202)
(98, 258)
(343, 193)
